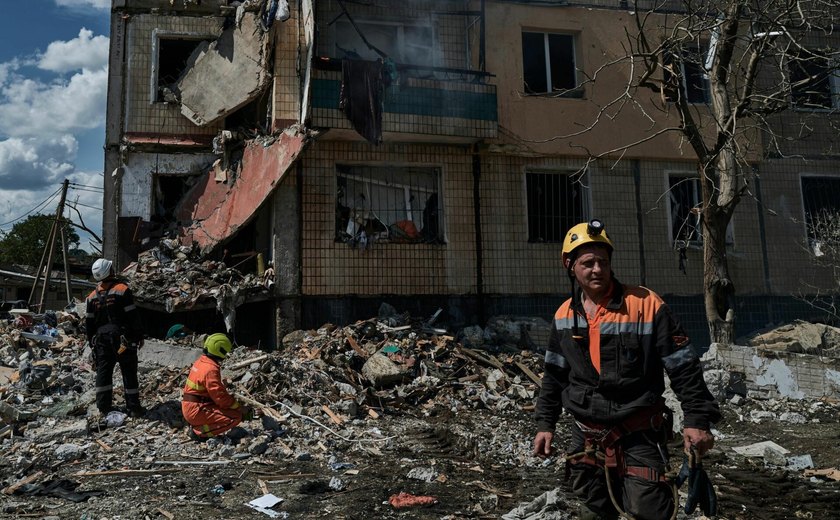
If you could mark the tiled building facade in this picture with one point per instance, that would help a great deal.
(454, 200)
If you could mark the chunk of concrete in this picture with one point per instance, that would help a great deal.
(235, 65)
(758, 449)
(381, 371)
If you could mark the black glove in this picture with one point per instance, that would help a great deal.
(700, 489)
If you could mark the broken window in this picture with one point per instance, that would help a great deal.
(687, 72)
(403, 43)
(821, 203)
(174, 57)
(397, 204)
(685, 204)
(813, 82)
(168, 190)
(549, 64)
(556, 202)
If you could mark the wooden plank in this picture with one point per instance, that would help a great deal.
(532, 376)
(166, 513)
(124, 472)
(335, 418)
(355, 346)
(104, 446)
(263, 487)
(493, 362)
(22, 482)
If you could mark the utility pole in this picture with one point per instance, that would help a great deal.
(49, 251)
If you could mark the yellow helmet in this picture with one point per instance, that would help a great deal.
(585, 233)
(218, 345)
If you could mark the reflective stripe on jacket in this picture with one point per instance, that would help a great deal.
(120, 310)
(639, 337)
(205, 380)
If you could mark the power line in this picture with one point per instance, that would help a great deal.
(83, 205)
(86, 186)
(100, 190)
(36, 208)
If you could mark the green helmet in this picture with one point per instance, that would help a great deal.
(218, 345)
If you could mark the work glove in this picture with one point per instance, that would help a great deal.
(701, 492)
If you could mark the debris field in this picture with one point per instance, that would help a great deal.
(389, 417)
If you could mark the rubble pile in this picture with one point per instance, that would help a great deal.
(801, 337)
(175, 275)
(383, 418)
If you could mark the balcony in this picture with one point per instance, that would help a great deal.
(429, 104)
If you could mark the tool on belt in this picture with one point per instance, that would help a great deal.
(603, 449)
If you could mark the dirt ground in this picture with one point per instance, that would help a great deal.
(478, 461)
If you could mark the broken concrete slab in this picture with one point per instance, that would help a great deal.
(758, 449)
(216, 210)
(235, 65)
(167, 355)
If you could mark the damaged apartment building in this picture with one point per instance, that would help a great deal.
(406, 152)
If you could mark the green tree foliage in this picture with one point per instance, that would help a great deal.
(24, 244)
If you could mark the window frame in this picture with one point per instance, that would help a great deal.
(832, 81)
(813, 243)
(400, 26)
(157, 36)
(574, 92)
(692, 177)
(586, 200)
(407, 188)
(701, 49)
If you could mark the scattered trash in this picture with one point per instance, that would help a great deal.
(264, 505)
(406, 500)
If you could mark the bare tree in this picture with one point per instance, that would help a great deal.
(718, 73)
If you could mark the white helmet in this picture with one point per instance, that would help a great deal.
(101, 269)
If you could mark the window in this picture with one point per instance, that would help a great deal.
(548, 62)
(821, 202)
(397, 204)
(556, 202)
(685, 75)
(411, 44)
(169, 189)
(685, 202)
(174, 56)
(813, 84)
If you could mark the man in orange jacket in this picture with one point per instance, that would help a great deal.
(207, 406)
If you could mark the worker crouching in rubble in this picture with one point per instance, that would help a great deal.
(609, 346)
(207, 406)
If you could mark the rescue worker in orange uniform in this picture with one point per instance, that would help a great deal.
(610, 345)
(207, 406)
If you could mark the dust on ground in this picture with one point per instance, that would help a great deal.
(340, 435)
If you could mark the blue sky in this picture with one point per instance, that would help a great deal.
(53, 86)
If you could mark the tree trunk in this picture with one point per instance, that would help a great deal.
(718, 288)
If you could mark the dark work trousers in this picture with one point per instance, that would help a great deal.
(643, 499)
(106, 359)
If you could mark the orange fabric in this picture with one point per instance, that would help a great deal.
(404, 500)
(595, 330)
(221, 411)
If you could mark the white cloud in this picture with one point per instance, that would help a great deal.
(85, 52)
(97, 4)
(34, 108)
(34, 164)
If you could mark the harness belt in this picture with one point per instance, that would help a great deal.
(193, 398)
(602, 448)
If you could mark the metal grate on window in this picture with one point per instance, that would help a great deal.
(821, 202)
(556, 202)
(388, 204)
